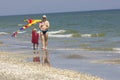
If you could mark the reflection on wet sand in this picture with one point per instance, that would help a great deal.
(45, 58)
(36, 57)
(42, 58)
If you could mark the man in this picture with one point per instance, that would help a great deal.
(44, 26)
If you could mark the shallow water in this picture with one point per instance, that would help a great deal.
(85, 65)
(93, 29)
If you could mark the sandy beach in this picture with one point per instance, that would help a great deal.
(14, 67)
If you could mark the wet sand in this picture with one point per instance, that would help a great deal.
(108, 61)
(14, 67)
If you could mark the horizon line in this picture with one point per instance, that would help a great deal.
(60, 12)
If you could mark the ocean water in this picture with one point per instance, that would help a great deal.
(91, 30)
(75, 40)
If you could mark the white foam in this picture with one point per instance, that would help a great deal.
(61, 36)
(1, 33)
(86, 35)
(21, 31)
(20, 24)
(56, 32)
(58, 35)
(72, 49)
(117, 49)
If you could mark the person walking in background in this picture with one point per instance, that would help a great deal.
(35, 38)
(44, 26)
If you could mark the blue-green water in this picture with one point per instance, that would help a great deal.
(70, 34)
(93, 30)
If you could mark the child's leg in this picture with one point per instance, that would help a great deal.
(37, 46)
(33, 46)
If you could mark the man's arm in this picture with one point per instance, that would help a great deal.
(48, 24)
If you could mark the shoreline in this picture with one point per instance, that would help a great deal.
(14, 66)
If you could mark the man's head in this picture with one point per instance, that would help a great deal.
(44, 17)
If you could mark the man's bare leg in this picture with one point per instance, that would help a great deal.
(46, 40)
(43, 40)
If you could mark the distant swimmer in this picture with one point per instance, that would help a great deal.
(44, 26)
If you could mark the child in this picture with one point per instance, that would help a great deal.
(35, 38)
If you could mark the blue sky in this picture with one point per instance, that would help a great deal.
(14, 7)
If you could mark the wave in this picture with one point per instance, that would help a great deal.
(93, 35)
(2, 33)
(20, 32)
(116, 49)
(63, 34)
(72, 49)
(88, 35)
(57, 32)
(20, 24)
(90, 49)
(69, 34)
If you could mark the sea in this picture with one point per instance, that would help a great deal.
(77, 40)
(91, 30)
